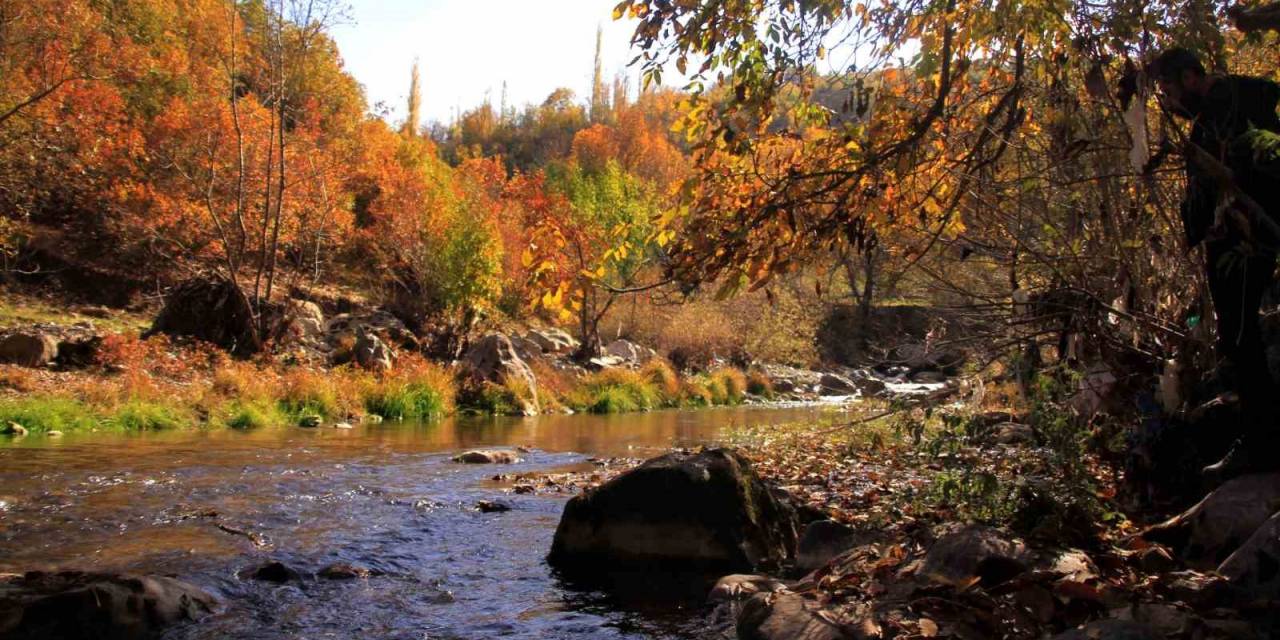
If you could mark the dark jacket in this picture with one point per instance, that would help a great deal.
(1234, 106)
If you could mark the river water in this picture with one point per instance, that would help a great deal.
(205, 505)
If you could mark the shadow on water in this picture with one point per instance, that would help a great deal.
(204, 505)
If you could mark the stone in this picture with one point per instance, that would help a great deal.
(13, 429)
(974, 552)
(28, 349)
(53, 434)
(928, 377)
(600, 363)
(88, 605)
(372, 353)
(485, 506)
(740, 586)
(706, 510)
(786, 616)
(371, 418)
(1255, 566)
(273, 571)
(488, 456)
(1072, 564)
(1012, 433)
(343, 571)
(630, 351)
(834, 384)
(1111, 630)
(310, 422)
(493, 359)
(553, 341)
(79, 352)
(212, 310)
(525, 348)
(821, 541)
(1208, 532)
(343, 425)
(1153, 559)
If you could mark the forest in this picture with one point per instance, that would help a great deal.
(869, 318)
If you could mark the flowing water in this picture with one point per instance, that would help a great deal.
(205, 505)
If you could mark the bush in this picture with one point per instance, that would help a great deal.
(253, 415)
(418, 390)
(695, 393)
(664, 379)
(40, 414)
(759, 384)
(614, 391)
(305, 392)
(141, 415)
(734, 383)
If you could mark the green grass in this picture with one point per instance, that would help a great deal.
(407, 401)
(139, 415)
(615, 391)
(41, 414)
(253, 415)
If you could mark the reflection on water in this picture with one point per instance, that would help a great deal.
(204, 504)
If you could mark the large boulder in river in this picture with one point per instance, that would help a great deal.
(100, 606)
(696, 510)
(212, 310)
(28, 349)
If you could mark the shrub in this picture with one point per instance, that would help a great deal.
(17, 378)
(141, 415)
(304, 392)
(716, 389)
(47, 413)
(406, 401)
(253, 415)
(417, 390)
(614, 391)
(759, 384)
(614, 400)
(734, 383)
(664, 379)
(695, 393)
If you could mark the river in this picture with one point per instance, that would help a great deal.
(385, 497)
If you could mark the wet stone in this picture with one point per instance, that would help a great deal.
(273, 571)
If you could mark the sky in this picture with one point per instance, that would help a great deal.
(467, 48)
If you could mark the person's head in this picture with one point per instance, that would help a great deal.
(1181, 78)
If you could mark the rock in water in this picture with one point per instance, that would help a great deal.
(705, 510)
(34, 349)
(100, 606)
(488, 456)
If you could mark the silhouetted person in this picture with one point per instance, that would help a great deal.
(1240, 256)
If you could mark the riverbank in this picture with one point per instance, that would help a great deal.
(89, 368)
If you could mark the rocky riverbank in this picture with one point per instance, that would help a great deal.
(331, 369)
